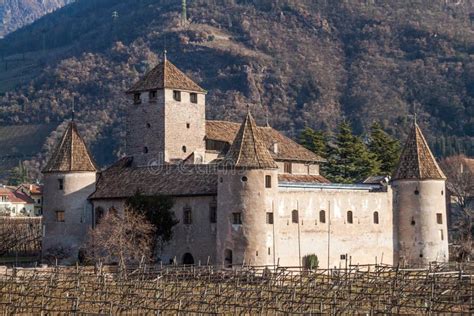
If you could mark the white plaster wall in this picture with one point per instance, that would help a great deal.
(421, 238)
(363, 241)
(77, 209)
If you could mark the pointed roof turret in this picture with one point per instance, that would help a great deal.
(70, 154)
(416, 161)
(248, 149)
(165, 75)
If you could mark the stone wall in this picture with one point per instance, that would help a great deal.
(71, 233)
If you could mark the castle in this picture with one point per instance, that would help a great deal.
(243, 193)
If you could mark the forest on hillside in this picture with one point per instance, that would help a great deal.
(305, 63)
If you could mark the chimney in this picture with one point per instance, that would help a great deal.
(275, 147)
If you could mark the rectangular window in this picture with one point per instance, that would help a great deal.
(193, 97)
(269, 218)
(268, 181)
(294, 216)
(136, 98)
(152, 96)
(288, 167)
(441, 235)
(59, 216)
(61, 184)
(322, 216)
(213, 214)
(177, 95)
(237, 218)
(439, 218)
(187, 216)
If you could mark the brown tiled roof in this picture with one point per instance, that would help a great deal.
(248, 149)
(165, 75)
(71, 154)
(288, 149)
(14, 196)
(122, 181)
(417, 161)
(302, 178)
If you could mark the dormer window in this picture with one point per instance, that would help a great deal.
(177, 95)
(193, 97)
(136, 98)
(152, 96)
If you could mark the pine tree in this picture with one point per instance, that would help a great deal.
(18, 175)
(385, 148)
(316, 141)
(349, 160)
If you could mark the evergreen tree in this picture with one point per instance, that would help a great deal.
(18, 175)
(385, 148)
(349, 160)
(316, 141)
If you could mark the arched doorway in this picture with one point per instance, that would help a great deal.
(188, 258)
(228, 258)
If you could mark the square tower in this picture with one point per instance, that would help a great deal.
(166, 117)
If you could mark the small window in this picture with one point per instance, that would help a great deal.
(237, 218)
(59, 216)
(343, 257)
(268, 181)
(188, 125)
(269, 218)
(213, 214)
(294, 216)
(145, 150)
(152, 96)
(244, 179)
(187, 216)
(269, 251)
(61, 184)
(376, 217)
(322, 216)
(137, 98)
(184, 149)
(350, 218)
(193, 97)
(148, 125)
(288, 167)
(441, 234)
(413, 221)
(99, 212)
(439, 218)
(177, 95)
(417, 192)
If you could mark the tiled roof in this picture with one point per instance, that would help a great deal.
(15, 196)
(71, 154)
(248, 149)
(122, 181)
(165, 75)
(302, 178)
(287, 149)
(417, 162)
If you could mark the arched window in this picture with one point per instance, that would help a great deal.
(376, 217)
(322, 216)
(350, 218)
(187, 216)
(188, 258)
(184, 149)
(145, 150)
(294, 216)
(228, 258)
(99, 212)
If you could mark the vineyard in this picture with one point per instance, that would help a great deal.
(20, 237)
(241, 290)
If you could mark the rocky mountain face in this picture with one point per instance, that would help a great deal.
(296, 62)
(15, 14)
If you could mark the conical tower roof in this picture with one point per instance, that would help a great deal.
(70, 154)
(165, 75)
(248, 149)
(417, 162)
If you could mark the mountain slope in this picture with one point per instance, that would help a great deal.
(16, 13)
(309, 63)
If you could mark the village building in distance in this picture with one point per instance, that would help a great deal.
(22, 201)
(243, 193)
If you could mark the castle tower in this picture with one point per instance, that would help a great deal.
(166, 117)
(248, 182)
(69, 179)
(419, 204)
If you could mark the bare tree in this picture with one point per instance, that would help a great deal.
(123, 238)
(460, 173)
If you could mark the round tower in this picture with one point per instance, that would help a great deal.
(247, 184)
(69, 178)
(419, 205)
